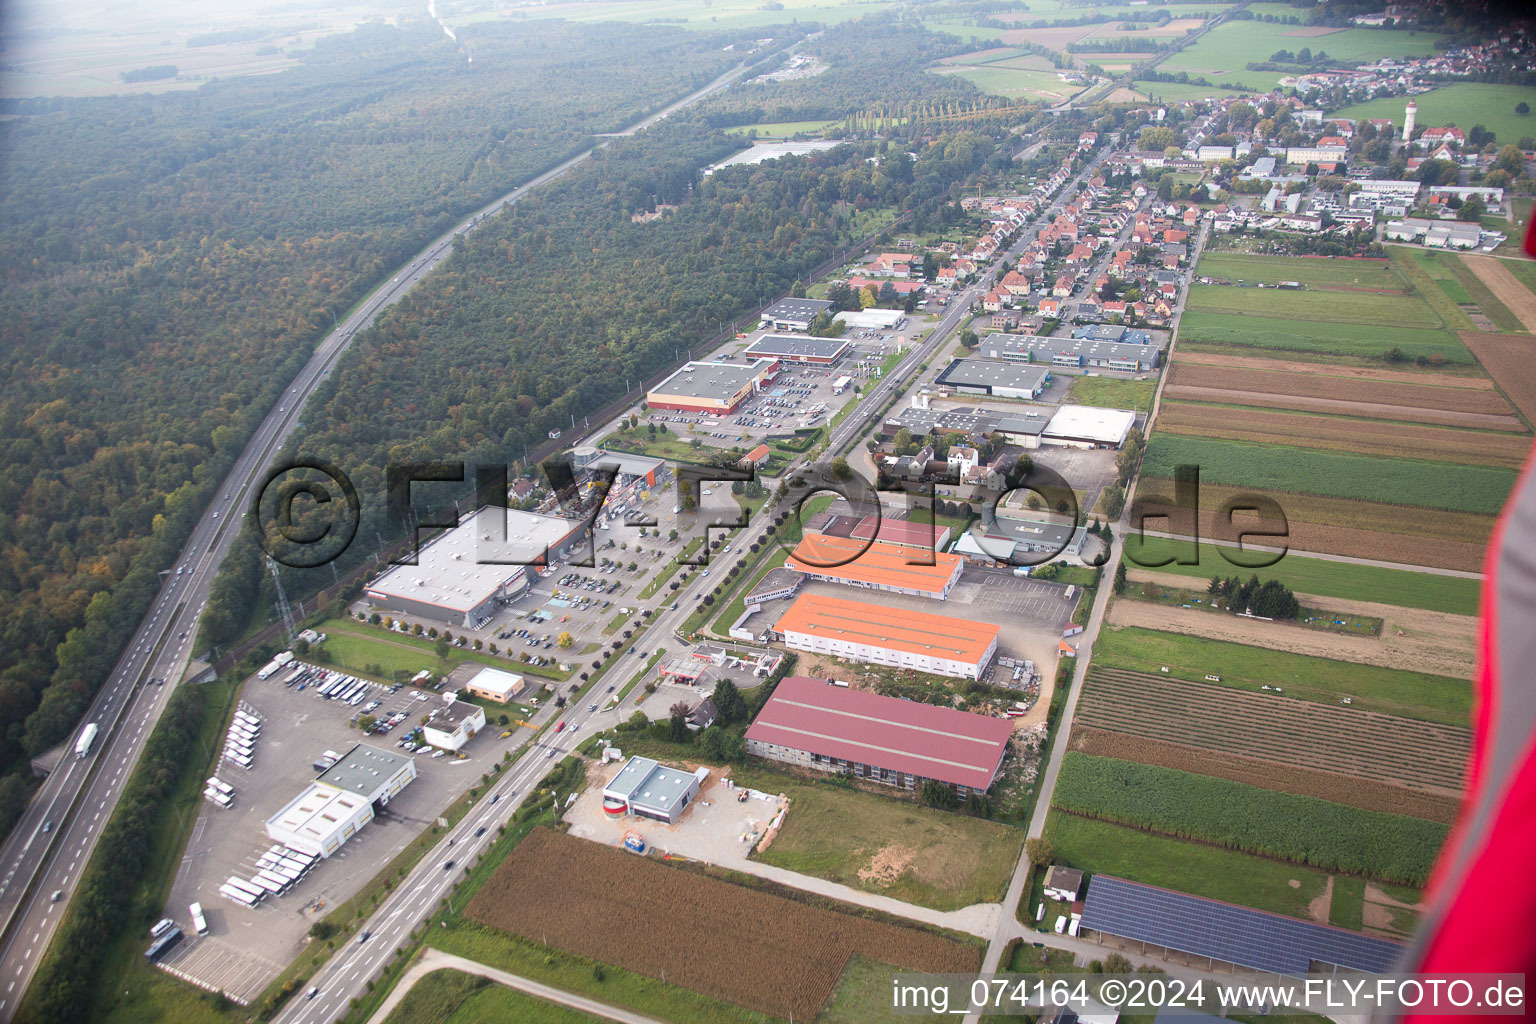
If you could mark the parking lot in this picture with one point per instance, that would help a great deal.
(245, 948)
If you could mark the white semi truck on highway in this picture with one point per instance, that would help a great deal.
(87, 737)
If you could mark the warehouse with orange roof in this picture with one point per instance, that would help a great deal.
(881, 635)
(876, 565)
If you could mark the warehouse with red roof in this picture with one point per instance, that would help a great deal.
(902, 743)
(876, 565)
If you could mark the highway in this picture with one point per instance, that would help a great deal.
(348, 972)
(53, 841)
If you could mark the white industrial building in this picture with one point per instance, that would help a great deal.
(872, 319)
(1087, 426)
(462, 576)
(497, 685)
(342, 800)
(453, 725)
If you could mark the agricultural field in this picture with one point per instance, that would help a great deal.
(1509, 290)
(1304, 680)
(914, 854)
(1318, 336)
(1339, 526)
(1353, 791)
(1346, 741)
(1027, 83)
(1463, 104)
(1417, 641)
(1112, 393)
(1507, 358)
(545, 892)
(719, 15)
(1308, 271)
(453, 997)
(1418, 484)
(1249, 819)
(1322, 577)
(1223, 54)
(1195, 868)
(1375, 308)
(1346, 434)
(1173, 92)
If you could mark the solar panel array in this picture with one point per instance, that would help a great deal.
(1235, 935)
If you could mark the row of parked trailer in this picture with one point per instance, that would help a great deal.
(329, 683)
(277, 870)
(240, 743)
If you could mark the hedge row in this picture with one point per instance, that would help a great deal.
(1303, 829)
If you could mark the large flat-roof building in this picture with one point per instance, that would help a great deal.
(904, 532)
(1124, 356)
(793, 314)
(882, 635)
(341, 800)
(875, 565)
(640, 471)
(899, 743)
(994, 378)
(715, 388)
(1088, 426)
(798, 348)
(649, 789)
(464, 574)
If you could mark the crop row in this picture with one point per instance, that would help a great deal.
(753, 948)
(1438, 485)
(1317, 833)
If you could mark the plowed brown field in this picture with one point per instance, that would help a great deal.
(1362, 529)
(1340, 789)
(1396, 440)
(1447, 651)
(1404, 752)
(1441, 392)
(1511, 359)
(1506, 287)
(752, 948)
(1335, 370)
(1341, 407)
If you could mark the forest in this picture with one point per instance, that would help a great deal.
(170, 260)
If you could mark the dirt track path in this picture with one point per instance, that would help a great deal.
(1506, 287)
(1412, 638)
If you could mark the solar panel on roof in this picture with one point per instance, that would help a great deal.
(1237, 935)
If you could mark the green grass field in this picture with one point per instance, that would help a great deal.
(784, 129)
(954, 860)
(1442, 485)
(1409, 694)
(1195, 868)
(1312, 272)
(1325, 578)
(1005, 81)
(1393, 311)
(1319, 336)
(1464, 104)
(1112, 393)
(1229, 48)
(1173, 92)
(354, 646)
(453, 997)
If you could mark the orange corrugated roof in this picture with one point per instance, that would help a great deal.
(880, 563)
(878, 625)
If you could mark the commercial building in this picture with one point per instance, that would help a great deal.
(792, 348)
(793, 314)
(465, 574)
(715, 388)
(341, 800)
(1021, 542)
(1300, 155)
(639, 471)
(900, 743)
(453, 724)
(995, 379)
(495, 685)
(649, 789)
(881, 635)
(875, 565)
(1127, 357)
(1088, 426)
(903, 532)
(872, 319)
(1435, 234)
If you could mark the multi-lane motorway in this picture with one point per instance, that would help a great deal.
(49, 847)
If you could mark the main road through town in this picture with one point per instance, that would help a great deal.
(42, 858)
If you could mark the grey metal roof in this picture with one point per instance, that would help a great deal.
(796, 309)
(1224, 931)
(363, 769)
(978, 373)
(643, 782)
(775, 345)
